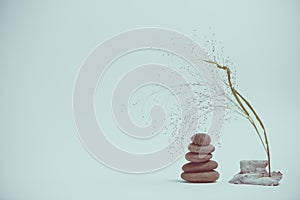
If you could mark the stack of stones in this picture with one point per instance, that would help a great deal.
(200, 169)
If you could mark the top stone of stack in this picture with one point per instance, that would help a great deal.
(201, 139)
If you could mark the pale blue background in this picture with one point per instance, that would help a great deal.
(42, 44)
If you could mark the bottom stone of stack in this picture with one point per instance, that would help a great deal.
(201, 177)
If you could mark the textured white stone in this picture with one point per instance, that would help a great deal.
(248, 166)
(253, 172)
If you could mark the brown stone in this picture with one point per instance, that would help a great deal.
(201, 139)
(201, 149)
(200, 167)
(201, 177)
(196, 157)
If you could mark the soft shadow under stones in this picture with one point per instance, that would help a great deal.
(187, 183)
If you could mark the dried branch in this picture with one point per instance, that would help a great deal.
(238, 97)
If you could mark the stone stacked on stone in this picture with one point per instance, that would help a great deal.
(254, 172)
(200, 168)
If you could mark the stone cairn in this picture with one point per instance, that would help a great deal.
(200, 168)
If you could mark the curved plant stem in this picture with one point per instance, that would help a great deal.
(238, 97)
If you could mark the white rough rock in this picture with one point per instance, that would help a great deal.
(253, 172)
(248, 166)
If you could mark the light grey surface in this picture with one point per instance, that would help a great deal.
(94, 68)
(42, 46)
